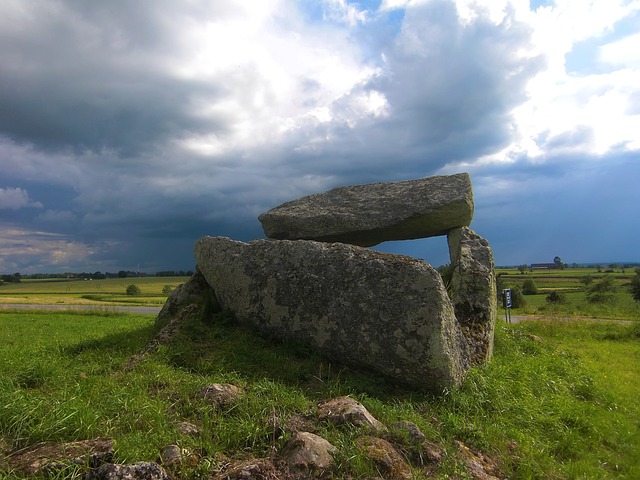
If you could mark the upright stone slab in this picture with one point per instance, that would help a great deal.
(388, 313)
(366, 215)
(473, 291)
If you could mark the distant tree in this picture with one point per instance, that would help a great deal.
(529, 287)
(601, 291)
(635, 286)
(517, 298)
(98, 276)
(15, 278)
(587, 280)
(133, 289)
(523, 268)
(556, 297)
(122, 274)
(558, 262)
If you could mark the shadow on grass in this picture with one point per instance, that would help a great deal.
(220, 344)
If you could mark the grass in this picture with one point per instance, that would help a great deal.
(110, 291)
(558, 400)
(619, 304)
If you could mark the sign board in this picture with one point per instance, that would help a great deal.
(506, 298)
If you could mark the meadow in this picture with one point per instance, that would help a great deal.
(110, 291)
(558, 400)
(574, 285)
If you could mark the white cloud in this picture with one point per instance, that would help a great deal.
(37, 251)
(624, 52)
(561, 103)
(344, 12)
(16, 199)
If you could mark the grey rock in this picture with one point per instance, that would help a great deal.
(346, 410)
(386, 457)
(172, 454)
(307, 453)
(431, 452)
(194, 291)
(135, 471)
(221, 394)
(412, 430)
(187, 428)
(369, 214)
(388, 313)
(473, 291)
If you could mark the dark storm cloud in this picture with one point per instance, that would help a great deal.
(116, 152)
(94, 76)
(450, 90)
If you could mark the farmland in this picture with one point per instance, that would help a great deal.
(574, 286)
(110, 291)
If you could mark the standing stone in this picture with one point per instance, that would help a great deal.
(473, 291)
(366, 215)
(388, 313)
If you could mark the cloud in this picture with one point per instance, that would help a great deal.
(126, 133)
(15, 199)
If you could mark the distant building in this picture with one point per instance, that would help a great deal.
(544, 266)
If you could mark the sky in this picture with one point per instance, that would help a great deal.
(128, 129)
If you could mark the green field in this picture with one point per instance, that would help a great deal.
(559, 400)
(616, 304)
(111, 291)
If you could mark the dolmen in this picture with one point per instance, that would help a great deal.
(314, 281)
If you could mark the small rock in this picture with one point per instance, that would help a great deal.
(186, 428)
(221, 394)
(386, 457)
(253, 469)
(346, 410)
(308, 453)
(171, 454)
(135, 471)
(415, 434)
(480, 466)
(431, 452)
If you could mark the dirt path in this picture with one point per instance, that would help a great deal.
(107, 308)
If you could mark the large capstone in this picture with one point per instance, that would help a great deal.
(473, 291)
(388, 313)
(366, 215)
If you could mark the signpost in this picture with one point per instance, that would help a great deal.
(506, 303)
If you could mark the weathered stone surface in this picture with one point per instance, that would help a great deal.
(411, 429)
(135, 471)
(309, 454)
(389, 313)
(194, 291)
(347, 410)
(221, 394)
(172, 454)
(473, 291)
(369, 214)
(388, 459)
(479, 465)
(186, 428)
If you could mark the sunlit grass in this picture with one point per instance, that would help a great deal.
(557, 401)
(111, 291)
